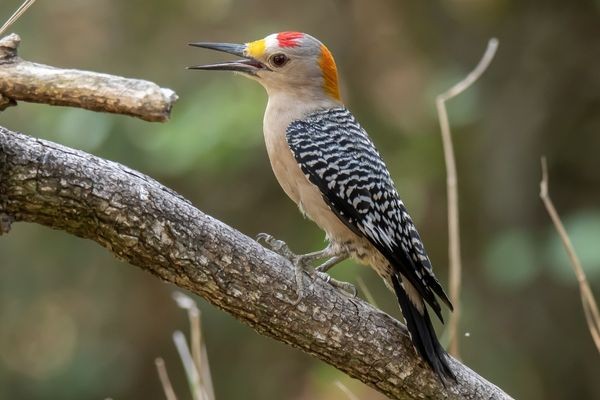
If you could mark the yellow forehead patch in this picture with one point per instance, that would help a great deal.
(329, 69)
(256, 49)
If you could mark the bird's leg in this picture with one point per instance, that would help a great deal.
(321, 271)
(327, 265)
(302, 262)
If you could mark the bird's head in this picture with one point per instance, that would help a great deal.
(290, 62)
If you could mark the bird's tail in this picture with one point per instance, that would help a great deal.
(422, 333)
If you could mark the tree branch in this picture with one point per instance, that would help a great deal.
(152, 227)
(38, 83)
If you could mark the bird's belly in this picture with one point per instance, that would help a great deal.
(307, 196)
(309, 199)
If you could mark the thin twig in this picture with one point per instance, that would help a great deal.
(164, 379)
(590, 307)
(16, 15)
(451, 183)
(347, 392)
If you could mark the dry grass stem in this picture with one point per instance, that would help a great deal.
(191, 371)
(452, 188)
(346, 391)
(196, 336)
(205, 375)
(188, 304)
(590, 307)
(164, 379)
(199, 354)
(16, 15)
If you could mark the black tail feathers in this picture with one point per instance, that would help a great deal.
(422, 334)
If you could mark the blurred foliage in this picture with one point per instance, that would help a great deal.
(76, 323)
(584, 232)
(510, 260)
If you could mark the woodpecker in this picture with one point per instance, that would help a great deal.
(327, 164)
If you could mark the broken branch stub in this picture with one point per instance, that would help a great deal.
(22, 80)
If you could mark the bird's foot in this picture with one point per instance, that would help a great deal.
(298, 262)
(302, 264)
(278, 246)
(345, 287)
(321, 270)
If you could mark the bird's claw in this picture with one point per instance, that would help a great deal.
(299, 285)
(281, 248)
(345, 287)
(301, 264)
(278, 246)
(322, 269)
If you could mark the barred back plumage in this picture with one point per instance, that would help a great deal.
(338, 157)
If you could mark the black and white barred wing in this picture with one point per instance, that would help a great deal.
(338, 156)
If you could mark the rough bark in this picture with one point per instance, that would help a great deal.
(38, 83)
(141, 221)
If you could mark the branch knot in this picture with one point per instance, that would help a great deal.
(8, 47)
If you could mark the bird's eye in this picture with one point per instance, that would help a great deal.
(279, 60)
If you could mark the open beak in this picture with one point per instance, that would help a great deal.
(248, 64)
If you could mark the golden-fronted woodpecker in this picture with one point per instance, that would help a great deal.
(327, 164)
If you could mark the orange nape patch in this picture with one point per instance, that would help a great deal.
(256, 49)
(330, 76)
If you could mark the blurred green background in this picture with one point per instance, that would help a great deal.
(75, 323)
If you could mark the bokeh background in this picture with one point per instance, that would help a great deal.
(75, 323)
